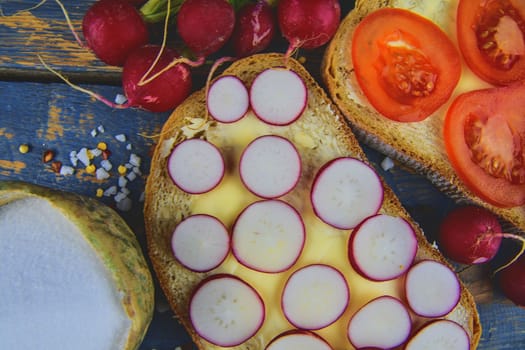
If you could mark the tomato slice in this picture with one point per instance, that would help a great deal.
(491, 38)
(484, 134)
(405, 64)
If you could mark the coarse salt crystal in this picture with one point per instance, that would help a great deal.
(110, 191)
(142, 197)
(131, 176)
(125, 190)
(120, 137)
(95, 152)
(128, 146)
(106, 164)
(122, 181)
(134, 159)
(120, 99)
(102, 174)
(94, 132)
(100, 128)
(73, 158)
(83, 156)
(120, 196)
(125, 204)
(66, 170)
(136, 170)
(387, 164)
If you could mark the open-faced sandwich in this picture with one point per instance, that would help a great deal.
(439, 85)
(269, 229)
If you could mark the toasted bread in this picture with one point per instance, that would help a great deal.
(419, 145)
(320, 134)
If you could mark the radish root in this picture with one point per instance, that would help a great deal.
(70, 24)
(517, 256)
(81, 89)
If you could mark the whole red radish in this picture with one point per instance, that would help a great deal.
(164, 92)
(512, 281)
(112, 29)
(205, 25)
(308, 23)
(255, 28)
(470, 235)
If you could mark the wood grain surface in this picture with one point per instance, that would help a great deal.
(39, 110)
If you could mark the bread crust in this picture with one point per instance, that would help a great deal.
(165, 205)
(419, 145)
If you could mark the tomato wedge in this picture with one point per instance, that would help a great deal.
(491, 38)
(405, 64)
(484, 134)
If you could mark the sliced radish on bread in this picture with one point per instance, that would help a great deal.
(228, 99)
(270, 166)
(432, 289)
(315, 296)
(225, 310)
(200, 242)
(345, 192)
(438, 335)
(382, 247)
(196, 166)
(278, 96)
(298, 339)
(268, 236)
(383, 323)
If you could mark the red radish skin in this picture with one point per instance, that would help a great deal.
(298, 339)
(225, 310)
(196, 166)
(228, 99)
(308, 23)
(166, 91)
(512, 281)
(304, 299)
(432, 289)
(205, 25)
(270, 166)
(367, 252)
(200, 242)
(439, 335)
(470, 235)
(255, 28)
(383, 323)
(113, 29)
(268, 236)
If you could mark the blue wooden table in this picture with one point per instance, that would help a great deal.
(38, 110)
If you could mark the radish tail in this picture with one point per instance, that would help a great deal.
(70, 24)
(86, 91)
(516, 257)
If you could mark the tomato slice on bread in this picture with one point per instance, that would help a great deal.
(491, 38)
(405, 64)
(484, 134)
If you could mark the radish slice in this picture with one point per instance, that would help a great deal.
(298, 339)
(228, 99)
(382, 323)
(315, 296)
(225, 310)
(345, 192)
(270, 166)
(438, 335)
(196, 166)
(432, 289)
(200, 242)
(278, 96)
(268, 236)
(382, 247)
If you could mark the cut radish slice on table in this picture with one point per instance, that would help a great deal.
(382, 247)
(268, 236)
(270, 166)
(315, 296)
(225, 310)
(228, 99)
(432, 289)
(382, 323)
(196, 166)
(200, 242)
(278, 96)
(438, 335)
(298, 339)
(345, 192)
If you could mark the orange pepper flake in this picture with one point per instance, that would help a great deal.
(48, 156)
(56, 165)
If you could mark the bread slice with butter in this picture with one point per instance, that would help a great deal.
(420, 145)
(319, 134)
